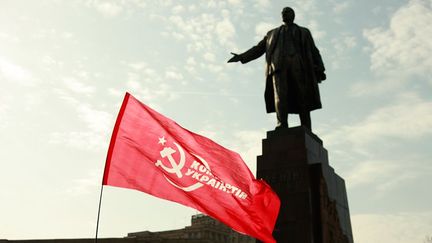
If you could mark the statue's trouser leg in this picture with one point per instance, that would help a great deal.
(280, 88)
(296, 73)
(305, 119)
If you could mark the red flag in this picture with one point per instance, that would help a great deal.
(153, 154)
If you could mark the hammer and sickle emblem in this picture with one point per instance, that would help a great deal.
(167, 152)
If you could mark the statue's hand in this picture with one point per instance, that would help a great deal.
(320, 74)
(235, 58)
(321, 77)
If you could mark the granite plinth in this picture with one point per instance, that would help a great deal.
(314, 204)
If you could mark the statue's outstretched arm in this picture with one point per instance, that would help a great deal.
(250, 54)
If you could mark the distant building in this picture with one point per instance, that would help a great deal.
(203, 229)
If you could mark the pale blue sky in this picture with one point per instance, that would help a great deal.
(65, 66)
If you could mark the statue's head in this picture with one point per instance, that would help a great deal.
(288, 15)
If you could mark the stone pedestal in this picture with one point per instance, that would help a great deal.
(314, 204)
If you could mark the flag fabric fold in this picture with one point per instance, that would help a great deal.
(153, 154)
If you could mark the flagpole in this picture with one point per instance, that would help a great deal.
(98, 215)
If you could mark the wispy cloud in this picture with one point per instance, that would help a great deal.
(96, 120)
(248, 145)
(235, 2)
(110, 9)
(97, 125)
(340, 7)
(201, 30)
(113, 8)
(396, 120)
(9, 38)
(12, 72)
(4, 108)
(225, 31)
(343, 45)
(262, 28)
(146, 82)
(78, 87)
(380, 174)
(173, 75)
(84, 140)
(208, 56)
(178, 9)
(376, 147)
(318, 32)
(395, 228)
(207, 30)
(403, 50)
(85, 185)
(260, 4)
(306, 9)
(136, 65)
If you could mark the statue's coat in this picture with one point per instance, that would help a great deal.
(311, 64)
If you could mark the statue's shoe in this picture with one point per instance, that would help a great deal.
(281, 126)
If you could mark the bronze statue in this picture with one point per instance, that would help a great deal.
(293, 70)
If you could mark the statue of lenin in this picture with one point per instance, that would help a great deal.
(293, 70)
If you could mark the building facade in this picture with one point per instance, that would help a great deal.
(203, 229)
